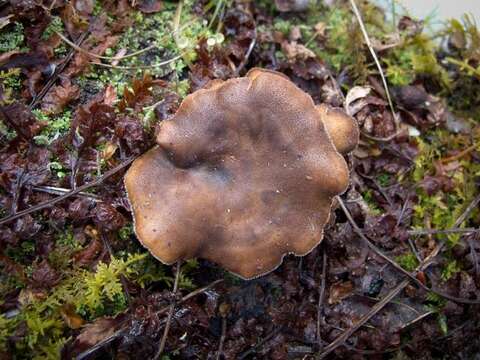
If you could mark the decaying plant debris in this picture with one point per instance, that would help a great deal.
(84, 85)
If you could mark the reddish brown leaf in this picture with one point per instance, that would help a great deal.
(97, 331)
(150, 6)
(44, 275)
(71, 318)
(340, 291)
(59, 96)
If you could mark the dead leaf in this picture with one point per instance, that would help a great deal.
(44, 275)
(355, 93)
(60, 96)
(292, 5)
(340, 291)
(150, 6)
(70, 317)
(296, 51)
(97, 331)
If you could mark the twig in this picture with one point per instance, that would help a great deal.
(402, 212)
(222, 338)
(190, 295)
(460, 154)
(99, 345)
(417, 319)
(126, 56)
(376, 308)
(445, 231)
(121, 331)
(170, 313)
(247, 54)
(467, 211)
(373, 311)
(37, 98)
(160, 64)
(377, 62)
(321, 296)
(60, 191)
(78, 190)
(397, 266)
(263, 341)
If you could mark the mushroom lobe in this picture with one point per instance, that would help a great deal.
(244, 173)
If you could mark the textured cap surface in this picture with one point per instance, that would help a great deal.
(243, 174)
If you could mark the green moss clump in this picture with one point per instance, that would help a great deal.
(442, 209)
(11, 37)
(407, 261)
(56, 126)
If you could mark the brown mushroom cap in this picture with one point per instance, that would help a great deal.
(243, 174)
(343, 130)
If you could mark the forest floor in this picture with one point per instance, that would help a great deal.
(83, 86)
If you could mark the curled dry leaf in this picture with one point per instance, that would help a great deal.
(354, 94)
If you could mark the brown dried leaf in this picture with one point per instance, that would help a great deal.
(70, 317)
(150, 6)
(97, 331)
(44, 275)
(59, 96)
(340, 291)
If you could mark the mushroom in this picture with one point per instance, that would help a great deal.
(243, 174)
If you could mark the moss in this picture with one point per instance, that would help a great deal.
(11, 82)
(154, 29)
(55, 25)
(126, 232)
(450, 269)
(91, 294)
(442, 209)
(65, 247)
(22, 252)
(11, 37)
(407, 261)
(384, 179)
(372, 204)
(56, 126)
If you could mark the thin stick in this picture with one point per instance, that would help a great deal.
(374, 310)
(445, 231)
(375, 58)
(467, 211)
(222, 338)
(321, 296)
(78, 190)
(38, 97)
(460, 154)
(394, 264)
(160, 64)
(190, 295)
(254, 348)
(417, 319)
(60, 191)
(170, 313)
(118, 58)
(247, 54)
